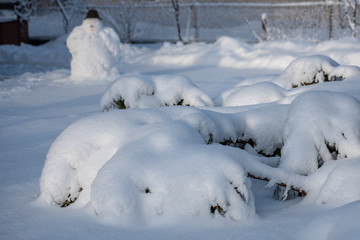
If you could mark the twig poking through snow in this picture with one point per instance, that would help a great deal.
(299, 190)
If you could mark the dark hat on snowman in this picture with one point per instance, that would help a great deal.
(92, 14)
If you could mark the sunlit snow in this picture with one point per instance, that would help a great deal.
(155, 170)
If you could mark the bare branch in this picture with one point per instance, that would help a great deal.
(296, 189)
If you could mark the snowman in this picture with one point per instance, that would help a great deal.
(94, 48)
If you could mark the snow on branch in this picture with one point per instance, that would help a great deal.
(68, 9)
(351, 14)
(24, 8)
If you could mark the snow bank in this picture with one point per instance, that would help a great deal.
(143, 91)
(232, 53)
(225, 52)
(314, 69)
(320, 126)
(55, 55)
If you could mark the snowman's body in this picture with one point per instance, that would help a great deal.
(94, 49)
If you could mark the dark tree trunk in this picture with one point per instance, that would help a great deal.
(175, 4)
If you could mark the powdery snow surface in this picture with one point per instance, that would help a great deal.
(155, 171)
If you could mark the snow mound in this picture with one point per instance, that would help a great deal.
(314, 69)
(320, 126)
(258, 93)
(342, 185)
(339, 223)
(143, 91)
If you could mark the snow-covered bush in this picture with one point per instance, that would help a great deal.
(321, 126)
(143, 91)
(75, 157)
(140, 164)
(258, 131)
(173, 175)
(314, 69)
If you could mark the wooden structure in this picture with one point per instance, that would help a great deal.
(13, 31)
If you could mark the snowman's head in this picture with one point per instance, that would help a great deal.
(92, 25)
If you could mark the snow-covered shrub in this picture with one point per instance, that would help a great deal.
(75, 157)
(141, 164)
(258, 93)
(173, 175)
(320, 126)
(143, 91)
(258, 131)
(314, 69)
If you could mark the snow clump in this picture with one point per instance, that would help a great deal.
(321, 126)
(143, 91)
(263, 92)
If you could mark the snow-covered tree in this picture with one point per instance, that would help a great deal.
(127, 20)
(24, 8)
(351, 14)
(68, 8)
(124, 20)
(176, 7)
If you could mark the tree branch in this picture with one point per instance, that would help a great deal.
(296, 189)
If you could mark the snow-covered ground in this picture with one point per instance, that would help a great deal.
(154, 171)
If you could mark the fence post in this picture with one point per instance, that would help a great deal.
(196, 24)
(176, 6)
(354, 16)
(330, 8)
(263, 26)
